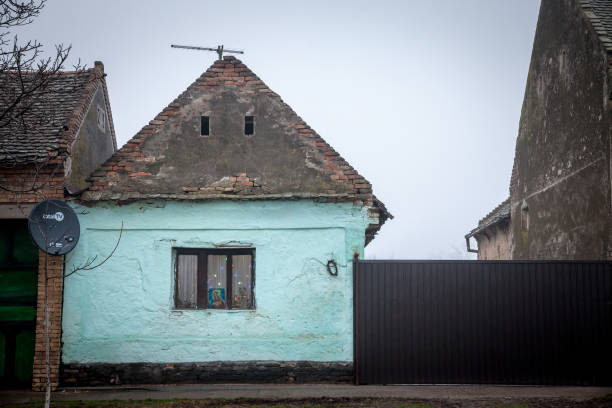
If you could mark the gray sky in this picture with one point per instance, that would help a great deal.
(423, 98)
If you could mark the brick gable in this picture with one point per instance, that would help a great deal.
(284, 159)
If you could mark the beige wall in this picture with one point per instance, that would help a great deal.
(495, 243)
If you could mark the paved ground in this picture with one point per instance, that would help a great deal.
(304, 391)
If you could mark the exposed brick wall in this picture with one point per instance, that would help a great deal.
(32, 183)
(55, 268)
(29, 184)
(228, 72)
(130, 174)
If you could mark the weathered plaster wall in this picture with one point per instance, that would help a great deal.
(123, 311)
(92, 146)
(561, 169)
(495, 243)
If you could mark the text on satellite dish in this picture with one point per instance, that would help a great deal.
(58, 216)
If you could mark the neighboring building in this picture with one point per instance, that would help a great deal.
(560, 192)
(240, 224)
(493, 234)
(63, 136)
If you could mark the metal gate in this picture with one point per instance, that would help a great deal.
(483, 322)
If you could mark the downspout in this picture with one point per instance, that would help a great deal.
(355, 326)
(467, 244)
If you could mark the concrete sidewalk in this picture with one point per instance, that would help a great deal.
(302, 391)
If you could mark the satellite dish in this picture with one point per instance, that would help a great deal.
(54, 227)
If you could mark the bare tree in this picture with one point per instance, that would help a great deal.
(22, 64)
(28, 77)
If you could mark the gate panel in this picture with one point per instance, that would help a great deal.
(483, 322)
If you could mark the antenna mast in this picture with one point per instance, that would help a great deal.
(220, 50)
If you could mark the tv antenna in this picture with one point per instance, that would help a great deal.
(220, 50)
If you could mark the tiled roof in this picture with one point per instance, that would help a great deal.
(603, 11)
(153, 163)
(46, 128)
(599, 13)
(499, 214)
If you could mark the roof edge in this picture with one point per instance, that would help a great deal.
(499, 214)
(74, 123)
(605, 38)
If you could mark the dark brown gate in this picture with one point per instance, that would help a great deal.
(483, 322)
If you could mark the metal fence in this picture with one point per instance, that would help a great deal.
(483, 322)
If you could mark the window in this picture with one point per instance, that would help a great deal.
(249, 125)
(214, 278)
(205, 126)
(101, 118)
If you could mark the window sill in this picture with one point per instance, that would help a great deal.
(180, 311)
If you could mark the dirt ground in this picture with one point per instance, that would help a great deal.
(332, 403)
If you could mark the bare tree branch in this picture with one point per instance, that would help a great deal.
(89, 263)
(26, 79)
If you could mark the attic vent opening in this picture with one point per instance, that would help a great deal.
(249, 125)
(524, 216)
(205, 126)
(101, 119)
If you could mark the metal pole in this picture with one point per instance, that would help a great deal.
(219, 50)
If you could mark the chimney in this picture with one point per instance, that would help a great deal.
(99, 65)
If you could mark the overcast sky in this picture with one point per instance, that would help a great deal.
(423, 98)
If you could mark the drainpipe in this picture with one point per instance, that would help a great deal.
(467, 244)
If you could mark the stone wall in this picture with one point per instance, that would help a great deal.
(30, 184)
(207, 372)
(560, 187)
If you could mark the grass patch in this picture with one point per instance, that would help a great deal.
(416, 405)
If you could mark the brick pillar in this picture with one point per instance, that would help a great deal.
(55, 293)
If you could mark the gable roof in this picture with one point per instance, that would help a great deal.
(284, 159)
(599, 14)
(48, 122)
(499, 214)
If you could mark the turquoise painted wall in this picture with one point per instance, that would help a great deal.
(123, 311)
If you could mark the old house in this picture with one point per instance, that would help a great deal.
(238, 227)
(493, 234)
(560, 193)
(56, 135)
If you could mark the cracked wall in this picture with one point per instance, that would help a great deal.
(92, 146)
(561, 171)
(123, 311)
(495, 243)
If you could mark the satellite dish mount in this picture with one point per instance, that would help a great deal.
(54, 227)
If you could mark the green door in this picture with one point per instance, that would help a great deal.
(18, 284)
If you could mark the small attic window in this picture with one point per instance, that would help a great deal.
(101, 119)
(249, 125)
(205, 126)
